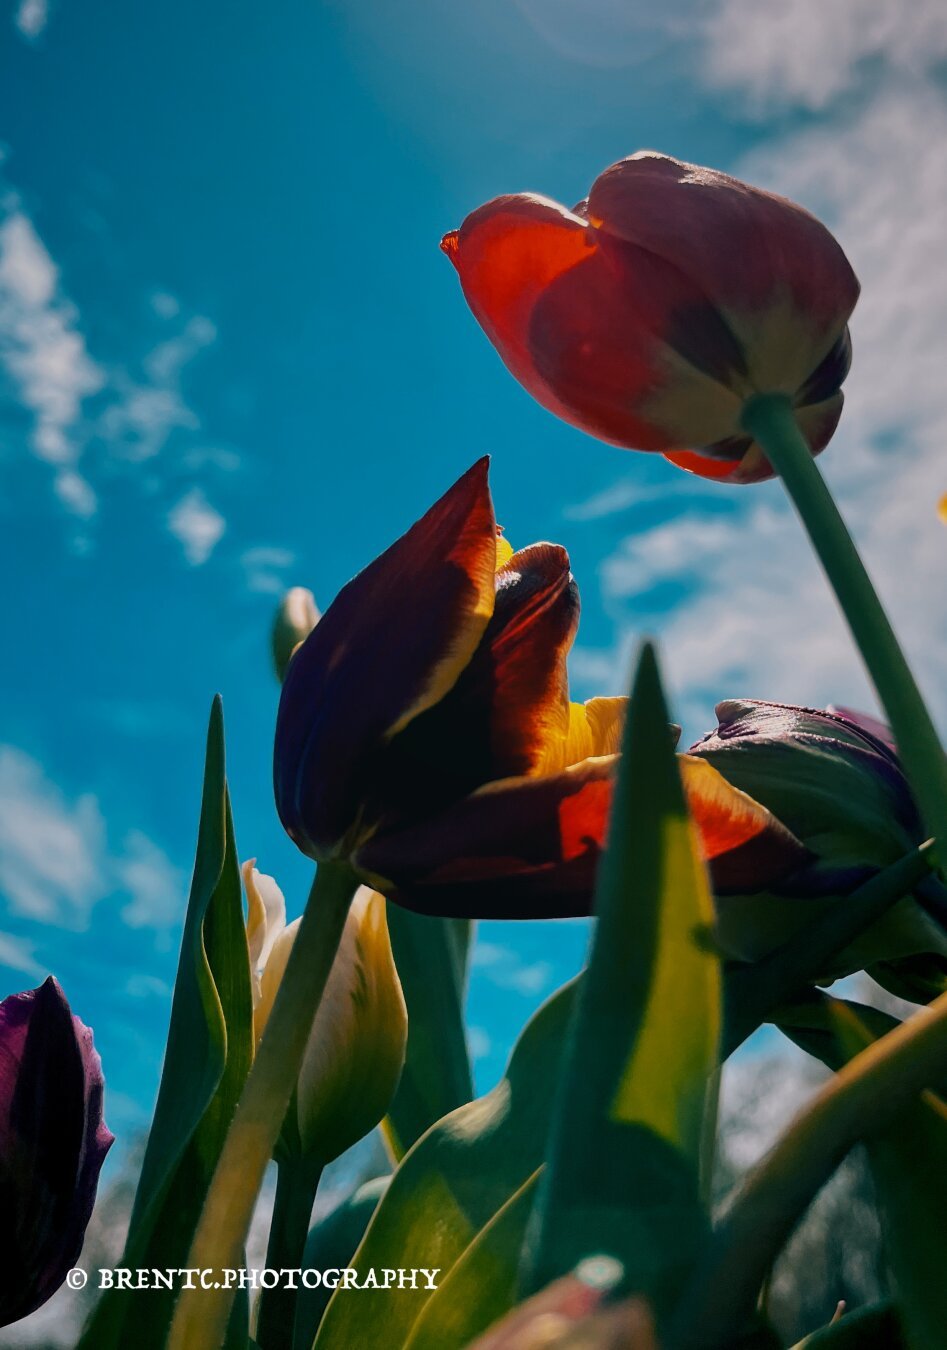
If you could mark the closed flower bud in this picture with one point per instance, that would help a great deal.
(357, 1045)
(834, 778)
(53, 1141)
(295, 619)
(651, 312)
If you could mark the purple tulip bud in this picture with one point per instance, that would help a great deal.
(53, 1141)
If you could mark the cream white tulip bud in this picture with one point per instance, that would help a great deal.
(295, 619)
(356, 1049)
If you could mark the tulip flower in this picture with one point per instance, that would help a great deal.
(425, 733)
(651, 313)
(834, 778)
(53, 1142)
(357, 1045)
(349, 1072)
(295, 618)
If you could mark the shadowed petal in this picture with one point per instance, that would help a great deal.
(529, 847)
(389, 647)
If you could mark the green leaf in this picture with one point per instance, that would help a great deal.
(451, 1185)
(623, 1162)
(431, 957)
(874, 1328)
(331, 1245)
(481, 1286)
(207, 1059)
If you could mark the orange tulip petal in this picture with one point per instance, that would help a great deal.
(357, 679)
(529, 847)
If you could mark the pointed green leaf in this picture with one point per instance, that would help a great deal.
(481, 1286)
(622, 1176)
(207, 1058)
(451, 1185)
(431, 957)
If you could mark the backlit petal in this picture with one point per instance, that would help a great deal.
(390, 646)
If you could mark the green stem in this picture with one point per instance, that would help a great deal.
(858, 1102)
(770, 420)
(752, 991)
(200, 1317)
(296, 1184)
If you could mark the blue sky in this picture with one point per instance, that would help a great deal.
(233, 359)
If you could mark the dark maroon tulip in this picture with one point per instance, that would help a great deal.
(53, 1141)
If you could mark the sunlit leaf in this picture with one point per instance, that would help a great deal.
(622, 1175)
(451, 1185)
(208, 1055)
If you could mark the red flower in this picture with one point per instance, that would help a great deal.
(650, 313)
(425, 733)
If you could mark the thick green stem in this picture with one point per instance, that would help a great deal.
(858, 1102)
(769, 419)
(200, 1318)
(296, 1184)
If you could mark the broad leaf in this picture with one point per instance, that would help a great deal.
(451, 1185)
(208, 1055)
(622, 1175)
(431, 957)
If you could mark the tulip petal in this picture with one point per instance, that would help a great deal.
(53, 1142)
(528, 848)
(509, 704)
(769, 266)
(338, 706)
(594, 729)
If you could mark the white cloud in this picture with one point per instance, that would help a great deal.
(76, 493)
(42, 350)
(197, 525)
(505, 969)
(265, 569)
(808, 53)
(31, 18)
(478, 1042)
(56, 863)
(156, 886)
(17, 954)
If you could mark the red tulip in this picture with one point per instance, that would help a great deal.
(649, 314)
(425, 733)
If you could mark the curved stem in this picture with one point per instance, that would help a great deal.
(296, 1186)
(200, 1318)
(770, 420)
(858, 1102)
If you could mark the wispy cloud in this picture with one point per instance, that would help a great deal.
(504, 967)
(807, 53)
(31, 18)
(57, 863)
(265, 569)
(197, 525)
(17, 954)
(42, 350)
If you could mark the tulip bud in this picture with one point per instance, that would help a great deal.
(356, 1049)
(835, 781)
(295, 619)
(53, 1141)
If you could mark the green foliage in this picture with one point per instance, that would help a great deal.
(624, 1156)
(451, 1186)
(208, 1056)
(431, 957)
